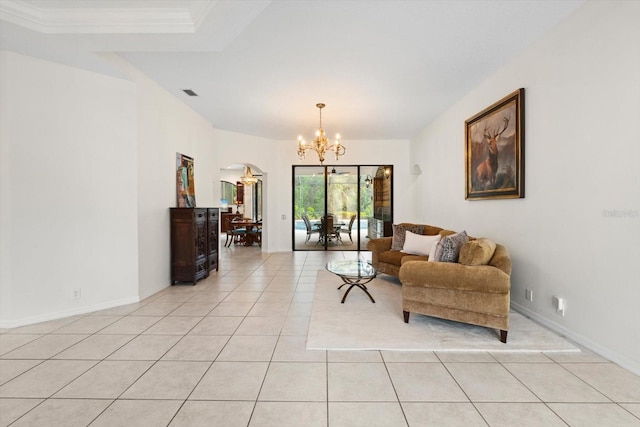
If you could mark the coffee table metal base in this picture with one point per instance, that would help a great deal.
(355, 273)
(360, 283)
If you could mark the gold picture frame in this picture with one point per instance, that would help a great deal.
(494, 155)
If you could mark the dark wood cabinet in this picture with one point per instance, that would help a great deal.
(194, 243)
(239, 193)
(213, 225)
(381, 224)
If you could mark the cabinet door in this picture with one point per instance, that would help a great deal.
(213, 238)
(183, 250)
(201, 243)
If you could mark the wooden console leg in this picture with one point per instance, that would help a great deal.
(503, 336)
(406, 316)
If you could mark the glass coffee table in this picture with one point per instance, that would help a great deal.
(353, 273)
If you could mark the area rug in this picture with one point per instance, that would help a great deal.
(359, 324)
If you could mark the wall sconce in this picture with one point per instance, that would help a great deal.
(387, 173)
(368, 181)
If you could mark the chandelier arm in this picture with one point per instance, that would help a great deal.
(320, 143)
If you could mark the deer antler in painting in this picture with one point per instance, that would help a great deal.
(487, 170)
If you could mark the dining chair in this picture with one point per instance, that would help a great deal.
(310, 229)
(348, 230)
(235, 233)
(329, 229)
(323, 230)
(256, 234)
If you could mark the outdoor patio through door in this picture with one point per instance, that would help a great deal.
(332, 206)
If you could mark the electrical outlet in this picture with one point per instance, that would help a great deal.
(559, 304)
(528, 293)
(77, 293)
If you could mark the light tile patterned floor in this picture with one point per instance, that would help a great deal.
(231, 352)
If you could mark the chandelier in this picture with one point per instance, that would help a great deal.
(248, 178)
(320, 144)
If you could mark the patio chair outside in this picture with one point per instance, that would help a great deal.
(310, 229)
(348, 230)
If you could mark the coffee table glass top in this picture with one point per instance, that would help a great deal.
(356, 269)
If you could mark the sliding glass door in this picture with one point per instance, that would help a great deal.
(332, 206)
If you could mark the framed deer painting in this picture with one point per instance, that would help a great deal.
(494, 156)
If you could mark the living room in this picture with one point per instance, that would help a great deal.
(106, 203)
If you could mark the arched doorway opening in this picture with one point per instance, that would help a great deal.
(242, 187)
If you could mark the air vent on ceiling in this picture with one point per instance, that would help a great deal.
(189, 92)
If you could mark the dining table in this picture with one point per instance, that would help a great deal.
(252, 234)
(337, 226)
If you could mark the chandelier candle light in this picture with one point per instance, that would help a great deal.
(320, 144)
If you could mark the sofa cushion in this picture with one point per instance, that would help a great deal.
(391, 257)
(399, 234)
(448, 249)
(408, 258)
(477, 252)
(416, 244)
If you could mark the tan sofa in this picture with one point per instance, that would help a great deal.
(474, 294)
(389, 262)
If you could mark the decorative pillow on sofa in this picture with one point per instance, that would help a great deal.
(434, 249)
(399, 231)
(417, 244)
(477, 252)
(448, 249)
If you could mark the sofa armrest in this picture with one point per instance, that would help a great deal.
(378, 245)
(449, 275)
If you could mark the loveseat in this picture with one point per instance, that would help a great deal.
(474, 289)
(389, 261)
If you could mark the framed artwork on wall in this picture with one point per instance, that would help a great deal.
(494, 155)
(185, 186)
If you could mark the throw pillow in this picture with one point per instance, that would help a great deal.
(417, 244)
(477, 252)
(399, 231)
(449, 247)
(434, 250)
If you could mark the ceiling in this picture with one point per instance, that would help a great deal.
(384, 68)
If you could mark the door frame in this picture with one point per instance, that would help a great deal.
(360, 179)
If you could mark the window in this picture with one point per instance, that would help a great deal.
(228, 192)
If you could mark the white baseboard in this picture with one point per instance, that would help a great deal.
(623, 361)
(66, 313)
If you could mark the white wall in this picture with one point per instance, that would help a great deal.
(166, 126)
(68, 191)
(582, 84)
(121, 139)
(275, 158)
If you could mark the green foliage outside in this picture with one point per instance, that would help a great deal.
(342, 192)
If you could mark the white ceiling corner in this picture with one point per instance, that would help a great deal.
(199, 11)
(100, 17)
(385, 68)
